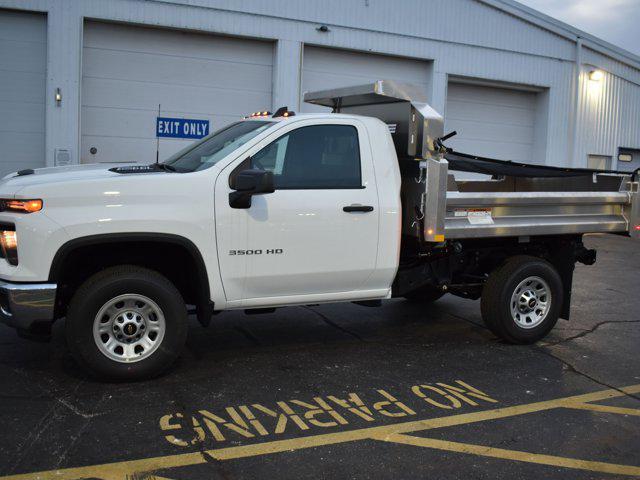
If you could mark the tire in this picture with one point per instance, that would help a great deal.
(427, 294)
(521, 300)
(137, 315)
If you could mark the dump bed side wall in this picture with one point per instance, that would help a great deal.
(598, 203)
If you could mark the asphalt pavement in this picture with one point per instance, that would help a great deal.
(346, 391)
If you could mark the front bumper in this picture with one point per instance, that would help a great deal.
(26, 305)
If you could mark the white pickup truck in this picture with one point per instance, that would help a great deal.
(286, 209)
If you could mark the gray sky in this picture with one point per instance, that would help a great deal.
(616, 21)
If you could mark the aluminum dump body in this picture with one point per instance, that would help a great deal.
(482, 209)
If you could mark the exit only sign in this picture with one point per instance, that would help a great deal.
(181, 127)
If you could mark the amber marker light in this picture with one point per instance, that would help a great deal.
(22, 206)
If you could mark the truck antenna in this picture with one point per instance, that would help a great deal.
(158, 141)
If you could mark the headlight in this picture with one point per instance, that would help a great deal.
(9, 246)
(20, 206)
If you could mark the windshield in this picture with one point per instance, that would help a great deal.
(208, 151)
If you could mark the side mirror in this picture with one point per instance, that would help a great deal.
(248, 183)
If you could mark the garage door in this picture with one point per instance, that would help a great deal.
(490, 121)
(329, 68)
(23, 55)
(127, 71)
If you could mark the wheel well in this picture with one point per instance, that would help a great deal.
(176, 258)
(464, 265)
(561, 251)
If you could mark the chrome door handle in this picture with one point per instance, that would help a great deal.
(357, 208)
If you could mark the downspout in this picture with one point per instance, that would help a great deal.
(576, 104)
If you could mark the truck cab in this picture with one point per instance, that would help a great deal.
(264, 213)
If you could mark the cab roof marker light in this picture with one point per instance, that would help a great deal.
(265, 113)
(283, 112)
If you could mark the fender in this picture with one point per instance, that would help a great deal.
(205, 305)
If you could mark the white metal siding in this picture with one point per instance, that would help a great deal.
(609, 115)
(455, 21)
(23, 55)
(128, 71)
(490, 121)
(326, 68)
(461, 38)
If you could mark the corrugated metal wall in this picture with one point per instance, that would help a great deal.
(462, 38)
(453, 21)
(609, 113)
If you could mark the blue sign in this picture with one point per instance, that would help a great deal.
(181, 127)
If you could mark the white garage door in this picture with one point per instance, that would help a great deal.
(490, 121)
(328, 68)
(23, 55)
(128, 70)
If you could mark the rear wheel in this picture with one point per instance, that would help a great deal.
(126, 323)
(521, 300)
(427, 294)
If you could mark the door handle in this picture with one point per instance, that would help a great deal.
(357, 208)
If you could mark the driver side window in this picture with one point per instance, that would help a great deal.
(271, 158)
(315, 157)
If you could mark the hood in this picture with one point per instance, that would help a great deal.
(12, 184)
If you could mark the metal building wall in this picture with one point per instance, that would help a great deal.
(454, 21)
(464, 38)
(609, 110)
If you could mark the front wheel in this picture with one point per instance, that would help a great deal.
(126, 323)
(521, 300)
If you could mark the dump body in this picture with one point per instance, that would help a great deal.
(482, 209)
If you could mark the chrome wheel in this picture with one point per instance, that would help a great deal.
(530, 302)
(129, 328)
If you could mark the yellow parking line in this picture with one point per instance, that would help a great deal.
(513, 455)
(604, 409)
(122, 470)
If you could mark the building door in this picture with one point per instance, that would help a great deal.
(491, 121)
(325, 68)
(128, 70)
(23, 65)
